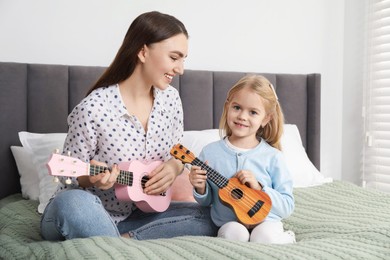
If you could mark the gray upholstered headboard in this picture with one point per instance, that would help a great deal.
(38, 98)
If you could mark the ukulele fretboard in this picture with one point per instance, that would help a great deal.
(212, 174)
(124, 178)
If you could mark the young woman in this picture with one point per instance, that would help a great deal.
(252, 121)
(130, 114)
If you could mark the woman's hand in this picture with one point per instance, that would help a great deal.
(248, 178)
(103, 181)
(161, 178)
(198, 179)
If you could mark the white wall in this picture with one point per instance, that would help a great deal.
(277, 36)
(354, 76)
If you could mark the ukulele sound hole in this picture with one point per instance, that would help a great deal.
(237, 194)
(144, 180)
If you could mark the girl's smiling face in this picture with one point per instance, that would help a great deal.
(245, 115)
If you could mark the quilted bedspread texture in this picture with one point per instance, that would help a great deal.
(336, 220)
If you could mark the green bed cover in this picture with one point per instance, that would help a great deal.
(336, 220)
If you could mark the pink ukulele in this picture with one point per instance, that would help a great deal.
(129, 184)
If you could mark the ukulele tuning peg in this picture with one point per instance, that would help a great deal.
(68, 181)
(68, 153)
(55, 179)
(57, 151)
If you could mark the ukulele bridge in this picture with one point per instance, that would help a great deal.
(255, 208)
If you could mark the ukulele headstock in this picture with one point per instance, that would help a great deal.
(66, 166)
(182, 153)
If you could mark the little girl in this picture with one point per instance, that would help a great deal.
(252, 121)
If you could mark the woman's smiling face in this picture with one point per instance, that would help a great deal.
(163, 60)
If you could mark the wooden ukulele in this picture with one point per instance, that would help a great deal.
(250, 206)
(129, 184)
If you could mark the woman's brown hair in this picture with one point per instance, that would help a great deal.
(146, 29)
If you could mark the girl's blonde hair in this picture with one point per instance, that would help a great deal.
(273, 130)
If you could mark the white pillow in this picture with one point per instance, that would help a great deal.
(37, 149)
(29, 180)
(196, 140)
(41, 146)
(303, 171)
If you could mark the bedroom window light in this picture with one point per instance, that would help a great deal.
(376, 99)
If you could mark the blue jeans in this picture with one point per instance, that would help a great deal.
(79, 214)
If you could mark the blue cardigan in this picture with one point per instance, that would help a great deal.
(266, 162)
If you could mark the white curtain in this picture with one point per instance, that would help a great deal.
(376, 107)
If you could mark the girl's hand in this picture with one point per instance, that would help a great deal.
(198, 179)
(161, 178)
(106, 180)
(248, 178)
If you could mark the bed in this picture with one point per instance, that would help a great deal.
(332, 219)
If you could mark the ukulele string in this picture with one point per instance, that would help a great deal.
(246, 200)
(123, 175)
(231, 188)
